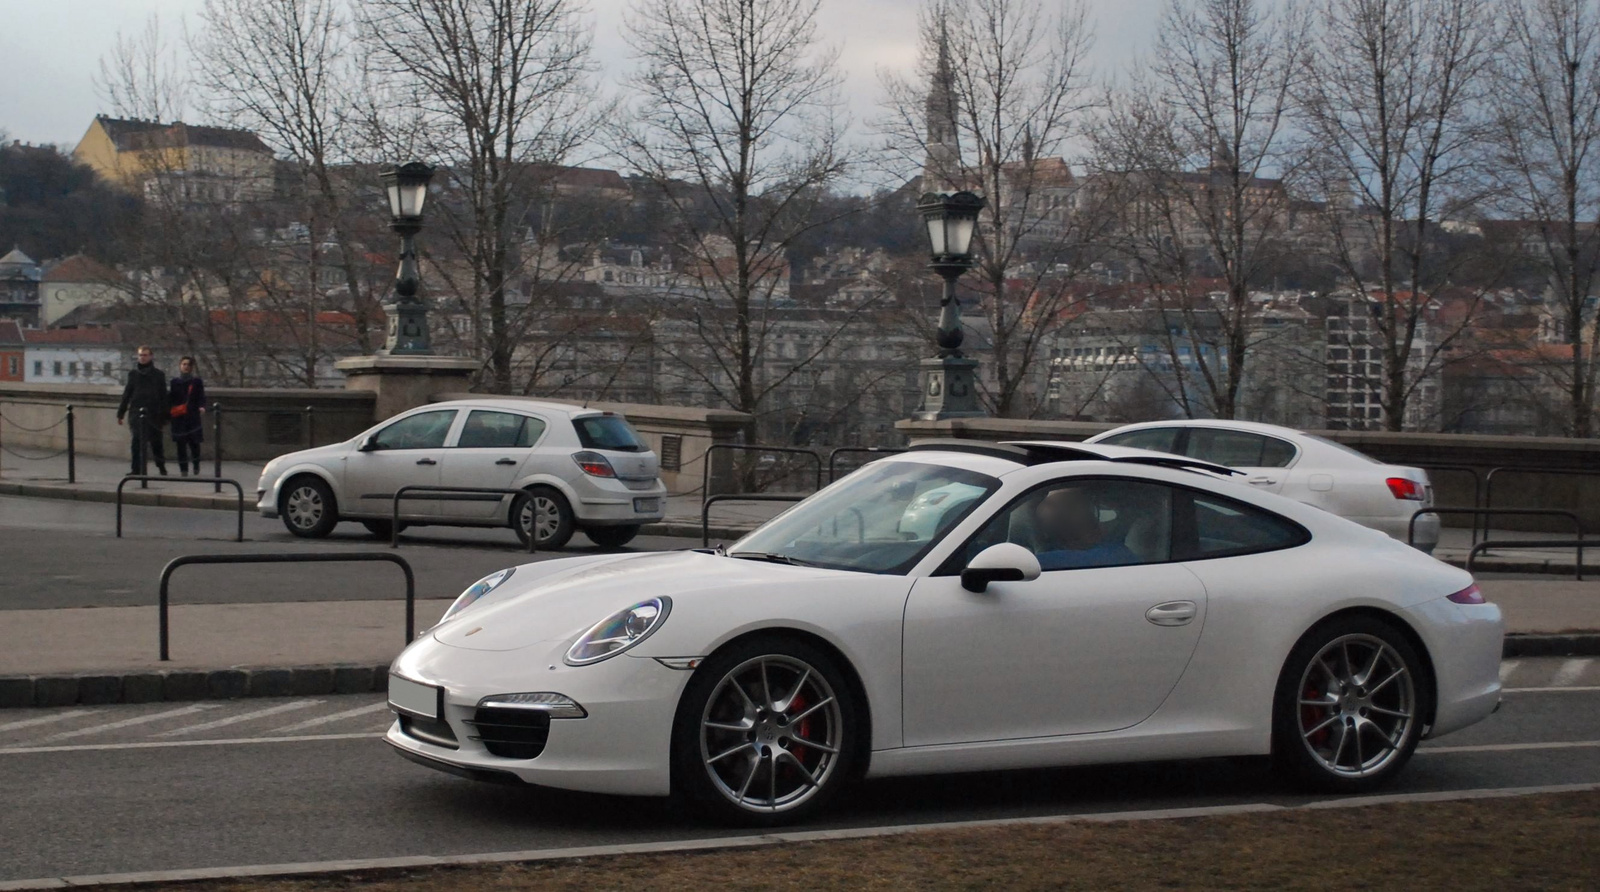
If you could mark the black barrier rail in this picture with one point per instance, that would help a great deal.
(289, 557)
(1486, 513)
(833, 457)
(1501, 544)
(217, 413)
(1488, 481)
(705, 507)
(144, 479)
(1477, 486)
(705, 469)
(426, 493)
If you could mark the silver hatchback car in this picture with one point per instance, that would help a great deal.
(582, 469)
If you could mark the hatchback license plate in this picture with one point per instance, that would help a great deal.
(413, 698)
(646, 505)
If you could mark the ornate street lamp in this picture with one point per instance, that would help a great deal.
(407, 186)
(949, 379)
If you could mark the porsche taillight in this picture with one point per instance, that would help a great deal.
(1469, 595)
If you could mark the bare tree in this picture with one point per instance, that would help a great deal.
(1195, 153)
(142, 76)
(1390, 106)
(735, 121)
(998, 102)
(1546, 131)
(284, 69)
(499, 91)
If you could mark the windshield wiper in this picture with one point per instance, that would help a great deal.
(772, 558)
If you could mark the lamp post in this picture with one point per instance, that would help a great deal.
(949, 379)
(407, 186)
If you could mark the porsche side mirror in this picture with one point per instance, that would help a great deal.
(1005, 562)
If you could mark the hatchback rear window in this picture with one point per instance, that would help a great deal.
(611, 432)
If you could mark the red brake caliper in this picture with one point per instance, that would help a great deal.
(1311, 715)
(802, 731)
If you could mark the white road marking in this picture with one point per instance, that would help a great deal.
(44, 719)
(752, 841)
(1570, 671)
(128, 723)
(1575, 689)
(162, 744)
(326, 719)
(1510, 747)
(242, 717)
(1508, 667)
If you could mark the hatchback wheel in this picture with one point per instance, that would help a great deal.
(1350, 706)
(308, 508)
(612, 537)
(766, 734)
(546, 512)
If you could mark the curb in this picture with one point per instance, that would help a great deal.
(159, 685)
(153, 686)
(143, 497)
(1544, 568)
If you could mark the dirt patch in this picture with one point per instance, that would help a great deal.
(1529, 842)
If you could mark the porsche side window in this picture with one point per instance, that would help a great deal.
(425, 430)
(1218, 527)
(1079, 523)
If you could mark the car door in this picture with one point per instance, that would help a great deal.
(487, 453)
(1095, 643)
(406, 451)
(1263, 460)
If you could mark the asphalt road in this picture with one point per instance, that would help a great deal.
(92, 790)
(65, 554)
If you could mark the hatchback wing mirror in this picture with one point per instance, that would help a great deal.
(1005, 562)
(368, 444)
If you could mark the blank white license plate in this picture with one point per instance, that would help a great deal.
(646, 505)
(416, 699)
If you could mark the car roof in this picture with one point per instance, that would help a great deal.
(1256, 427)
(513, 403)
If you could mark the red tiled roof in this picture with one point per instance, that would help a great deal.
(108, 336)
(10, 332)
(82, 268)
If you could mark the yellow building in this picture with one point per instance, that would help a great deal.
(178, 162)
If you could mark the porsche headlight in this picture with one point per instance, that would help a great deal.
(477, 590)
(619, 631)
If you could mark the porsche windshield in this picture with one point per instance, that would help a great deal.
(881, 519)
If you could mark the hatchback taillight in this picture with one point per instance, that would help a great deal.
(1405, 488)
(1469, 595)
(594, 464)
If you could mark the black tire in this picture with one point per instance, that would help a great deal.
(1356, 737)
(711, 763)
(559, 523)
(383, 529)
(308, 508)
(611, 537)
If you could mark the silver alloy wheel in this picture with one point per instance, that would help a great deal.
(770, 733)
(304, 506)
(545, 517)
(1357, 705)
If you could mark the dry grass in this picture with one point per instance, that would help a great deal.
(1530, 842)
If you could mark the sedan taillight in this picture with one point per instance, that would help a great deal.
(1469, 595)
(1405, 488)
(594, 464)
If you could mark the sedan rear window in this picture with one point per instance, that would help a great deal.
(611, 432)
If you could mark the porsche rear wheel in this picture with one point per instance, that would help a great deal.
(1350, 706)
(766, 734)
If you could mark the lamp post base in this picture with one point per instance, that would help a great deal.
(408, 329)
(949, 389)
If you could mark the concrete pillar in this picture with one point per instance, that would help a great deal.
(399, 383)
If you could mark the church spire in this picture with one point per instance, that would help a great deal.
(941, 169)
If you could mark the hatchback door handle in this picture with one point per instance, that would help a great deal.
(1172, 613)
(426, 461)
(505, 461)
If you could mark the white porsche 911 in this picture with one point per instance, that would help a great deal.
(959, 607)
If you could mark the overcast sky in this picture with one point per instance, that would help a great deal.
(50, 50)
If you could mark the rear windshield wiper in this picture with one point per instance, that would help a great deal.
(772, 558)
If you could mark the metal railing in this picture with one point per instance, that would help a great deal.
(217, 412)
(292, 557)
(429, 493)
(1488, 482)
(705, 470)
(144, 480)
(1491, 544)
(72, 445)
(833, 457)
(1486, 513)
(705, 506)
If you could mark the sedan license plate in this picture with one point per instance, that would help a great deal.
(415, 699)
(645, 506)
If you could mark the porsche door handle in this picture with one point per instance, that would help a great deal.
(1262, 480)
(1172, 613)
(426, 461)
(505, 461)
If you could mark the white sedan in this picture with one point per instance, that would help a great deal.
(1051, 604)
(1301, 466)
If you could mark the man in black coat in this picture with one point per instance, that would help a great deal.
(146, 390)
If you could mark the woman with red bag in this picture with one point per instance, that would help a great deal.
(188, 402)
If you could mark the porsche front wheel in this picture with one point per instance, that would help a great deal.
(766, 734)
